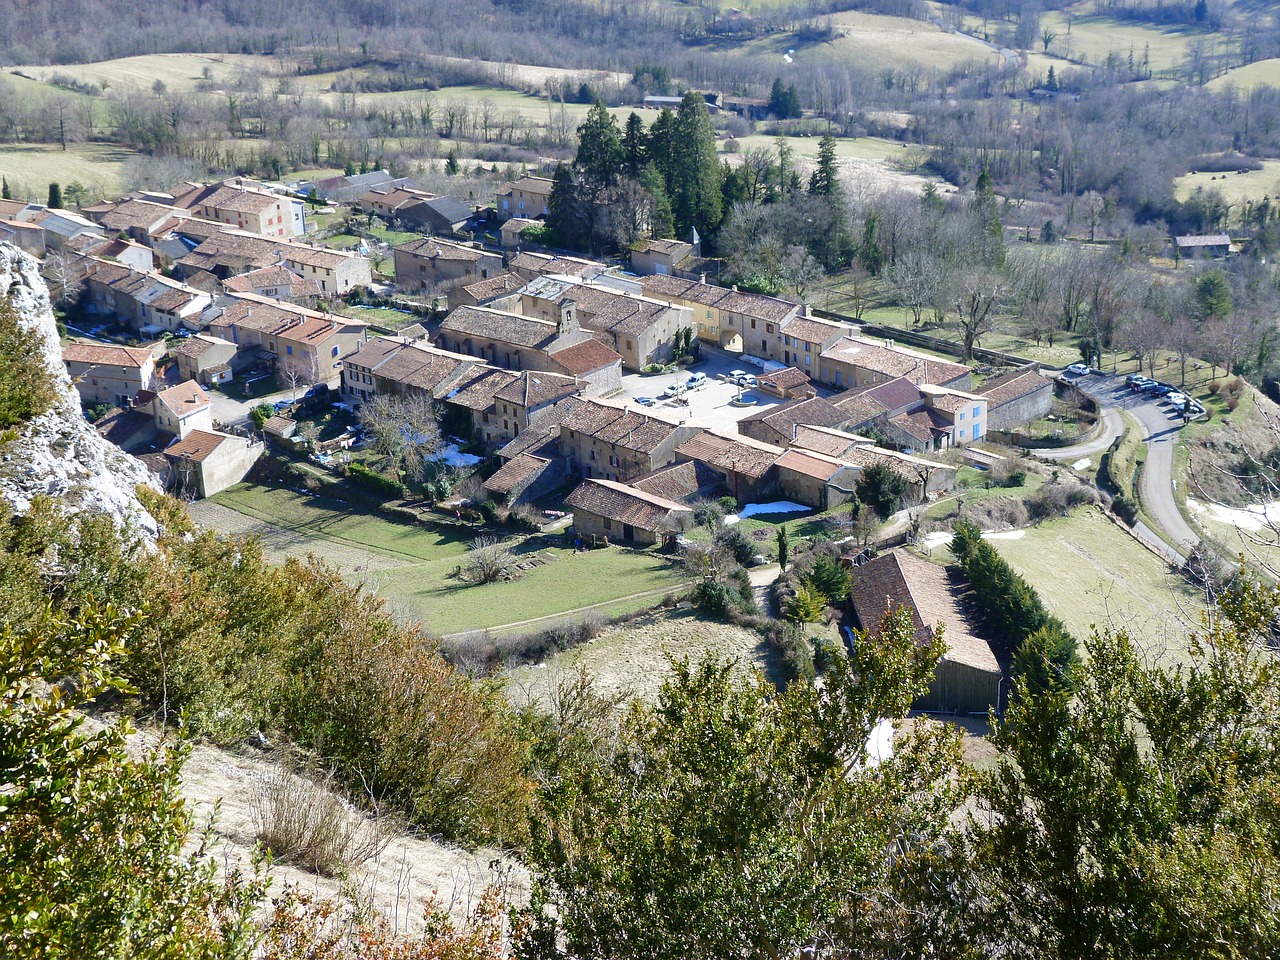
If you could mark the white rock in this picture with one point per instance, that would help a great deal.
(59, 454)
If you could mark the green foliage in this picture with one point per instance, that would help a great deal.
(806, 605)
(784, 102)
(825, 179)
(750, 816)
(375, 481)
(92, 858)
(1135, 816)
(828, 578)
(693, 175)
(737, 544)
(600, 155)
(25, 390)
(881, 489)
(260, 414)
(55, 196)
(1212, 296)
(784, 546)
(1046, 660)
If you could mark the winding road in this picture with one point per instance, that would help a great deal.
(1160, 426)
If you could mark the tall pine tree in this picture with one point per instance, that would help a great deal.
(600, 156)
(825, 180)
(696, 197)
(635, 146)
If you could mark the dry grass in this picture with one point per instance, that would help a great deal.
(889, 42)
(29, 168)
(1091, 39)
(1234, 187)
(311, 826)
(1259, 74)
(177, 71)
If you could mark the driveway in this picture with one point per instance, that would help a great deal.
(235, 413)
(1160, 426)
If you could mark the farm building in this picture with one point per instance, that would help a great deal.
(968, 678)
(605, 509)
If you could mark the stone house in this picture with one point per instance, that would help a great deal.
(533, 265)
(485, 292)
(432, 262)
(296, 342)
(606, 510)
(603, 441)
(395, 367)
(925, 478)
(528, 197)
(278, 283)
(660, 256)
(744, 467)
(206, 462)
(179, 409)
(109, 373)
(736, 321)
(923, 417)
(511, 230)
(241, 205)
(968, 677)
(1017, 398)
(857, 361)
(778, 425)
(206, 359)
(815, 479)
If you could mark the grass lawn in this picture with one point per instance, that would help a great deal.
(410, 565)
(1091, 39)
(1258, 74)
(879, 41)
(1091, 573)
(177, 71)
(1234, 187)
(29, 168)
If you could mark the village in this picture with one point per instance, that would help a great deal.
(606, 402)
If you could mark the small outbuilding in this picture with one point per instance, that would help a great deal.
(605, 509)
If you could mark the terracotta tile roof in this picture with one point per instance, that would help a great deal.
(812, 330)
(893, 361)
(478, 393)
(543, 263)
(1013, 386)
(432, 249)
(261, 278)
(741, 455)
(899, 579)
(412, 363)
(238, 200)
(664, 246)
(483, 323)
(515, 471)
(788, 378)
(676, 481)
(193, 347)
(834, 443)
(921, 424)
(608, 424)
(890, 395)
(186, 397)
(197, 446)
(494, 287)
(748, 304)
(137, 214)
(784, 419)
(586, 357)
(810, 463)
(623, 503)
(316, 256)
(108, 354)
(913, 469)
(529, 389)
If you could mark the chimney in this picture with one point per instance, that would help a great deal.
(702, 278)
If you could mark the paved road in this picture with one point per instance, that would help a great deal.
(1112, 427)
(235, 413)
(1160, 426)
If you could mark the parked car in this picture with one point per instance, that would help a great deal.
(1136, 381)
(1078, 370)
(1162, 390)
(1175, 400)
(696, 382)
(646, 401)
(282, 405)
(735, 376)
(675, 390)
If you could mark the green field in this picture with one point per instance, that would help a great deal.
(1091, 39)
(177, 71)
(882, 42)
(1091, 573)
(1258, 74)
(29, 168)
(410, 566)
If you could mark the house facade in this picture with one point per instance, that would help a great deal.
(528, 197)
(432, 262)
(109, 373)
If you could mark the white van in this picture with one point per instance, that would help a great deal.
(696, 382)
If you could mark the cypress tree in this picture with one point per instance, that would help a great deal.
(696, 197)
(635, 144)
(600, 155)
(825, 180)
(55, 196)
(4, 191)
(661, 224)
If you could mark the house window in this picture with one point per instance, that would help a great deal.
(977, 430)
(753, 323)
(977, 412)
(768, 328)
(288, 349)
(608, 524)
(806, 360)
(962, 433)
(786, 339)
(614, 461)
(806, 348)
(961, 414)
(628, 344)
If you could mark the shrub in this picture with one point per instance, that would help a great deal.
(881, 489)
(1232, 403)
(708, 514)
(1016, 478)
(727, 504)
(784, 546)
(1214, 387)
(1125, 509)
(1057, 500)
(1046, 660)
(737, 544)
(489, 560)
(260, 414)
(373, 480)
(25, 380)
(827, 578)
(1235, 388)
(310, 825)
(806, 605)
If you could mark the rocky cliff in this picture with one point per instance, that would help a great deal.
(58, 453)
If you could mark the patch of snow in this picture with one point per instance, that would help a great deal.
(942, 537)
(1252, 518)
(936, 539)
(778, 506)
(1005, 535)
(455, 458)
(1081, 463)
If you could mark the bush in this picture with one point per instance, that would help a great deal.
(881, 489)
(1232, 403)
(308, 824)
(708, 514)
(1057, 500)
(1046, 660)
(261, 414)
(828, 579)
(25, 380)
(489, 560)
(373, 480)
(727, 504)
(806, 605)
(737, 544)
(1016, 478)
(1214, 387)
(1125, 509)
